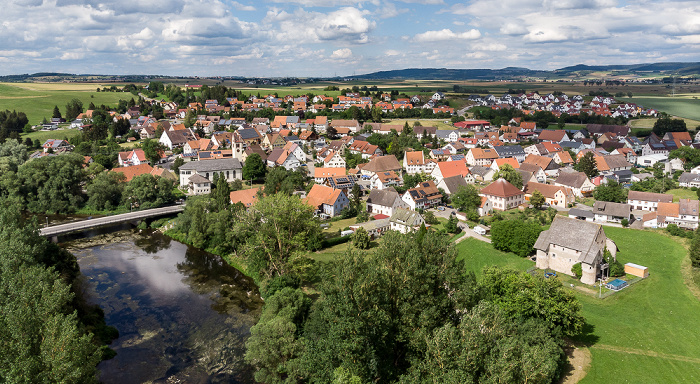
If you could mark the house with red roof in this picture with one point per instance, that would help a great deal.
(327, 200)
(503, 195)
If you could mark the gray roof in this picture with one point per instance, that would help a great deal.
(385, 198)
(571, 179)
(443, 133)
(581, 213)
(509, 150)
(198, 179)
(617, 161)
(452, 184)
(406, 217)
(248, 133)
(373, 224)
(612, 209)
(584, 236)
(479, 170)
(687, 177)
(212, 165)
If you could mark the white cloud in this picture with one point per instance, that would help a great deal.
(243, 7)
(345, 24)
(392, 52)
(446, 34)
(341, 54)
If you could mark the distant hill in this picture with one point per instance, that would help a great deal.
(514, 72)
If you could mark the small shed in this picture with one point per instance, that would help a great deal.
(636, 270)
(616, 284)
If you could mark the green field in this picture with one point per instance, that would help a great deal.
(682, 193)
(688, 108)
(646, 333)
(478, 254)
(42, 136)
(38, 102)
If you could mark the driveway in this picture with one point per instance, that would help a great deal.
(468, 232)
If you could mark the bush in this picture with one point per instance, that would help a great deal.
(335, 241)
(625, 222)
(577, 270)
(515, 236)
(694, 189)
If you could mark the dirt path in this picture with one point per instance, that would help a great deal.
(579, 361)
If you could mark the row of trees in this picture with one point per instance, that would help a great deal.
(407, 313)
(61, 184)
(42, 337)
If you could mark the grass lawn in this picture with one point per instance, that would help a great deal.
(340, 224)
(646, 333)
(439, 123)
(640, 124)
(682, 193)
(42, 136)
(38, 100)
(478, 254)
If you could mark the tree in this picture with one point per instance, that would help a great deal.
(689, 155)
(73, 109)
(610, 191)
(375, 313)
(577, 270)
(153, 150)
(532, 297)
(430, 218)
(695, 249)
(665, 124)
(488, 346)
(515, 236)
(50, 184)
(43, 340)
(277, 228)
(254, 168)
(587, 165)
(360, 239)
(451, 225)
(509, 173)
(537, 199)
(466, 198)
(179, 161)
(148, 191)
(274, 346)
(105, 190)
(281, 180)
(56, 112)
(221, 194)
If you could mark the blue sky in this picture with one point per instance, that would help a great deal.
(343, 37)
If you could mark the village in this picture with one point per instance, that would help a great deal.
(505, 164)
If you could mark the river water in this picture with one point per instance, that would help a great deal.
(183, 314)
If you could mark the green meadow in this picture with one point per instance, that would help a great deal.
(685, 107)
(646, 333)
(38, 102)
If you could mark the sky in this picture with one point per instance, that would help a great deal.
(308, 38)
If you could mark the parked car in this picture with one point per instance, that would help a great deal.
(441, 208)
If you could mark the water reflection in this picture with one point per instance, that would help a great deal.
(183, 314)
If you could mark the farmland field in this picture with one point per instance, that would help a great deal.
(42, 136)
(685, 107)
(646, 333)
(37, 99)
(439, 123)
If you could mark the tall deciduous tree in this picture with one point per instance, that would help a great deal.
(695, 249)
(105, 190)
(466, 198)
(510, 174)
(666, 124)
(153, 150)
(610, 191)
(254, 168)
(278, 228)
(537, 199)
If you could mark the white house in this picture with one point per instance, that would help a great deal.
(384, 202)
(404, 220)
(231, 169)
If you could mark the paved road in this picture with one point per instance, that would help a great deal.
(470, 233)
(122, 218)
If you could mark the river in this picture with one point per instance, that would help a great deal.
(183, 314)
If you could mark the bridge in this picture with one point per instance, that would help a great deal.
(62, 229)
